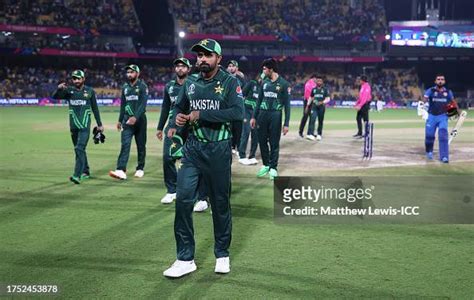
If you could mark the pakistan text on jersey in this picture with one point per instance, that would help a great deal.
(77, 102)
(270, 94)
(204, 104)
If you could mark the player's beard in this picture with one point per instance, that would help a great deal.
(181, 75)
(439, 85)
(206, 68)
(132, 78)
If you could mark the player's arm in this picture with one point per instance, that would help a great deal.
(247, 89)
(122, 110)
(327, 97)
(235, 110)
(95, 111)
(142, 101)
(165, 110)
(257, 108)
(286, 102)
(62, 92)
(310, 99)
(180, 111)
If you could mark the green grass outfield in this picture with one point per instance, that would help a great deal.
(111, 239)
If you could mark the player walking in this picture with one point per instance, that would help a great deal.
(208, 104)
(273, 97)
(132, 122)
(363, 105)
(439, 98)
(182, 67)
(233, 68)
(317, 107)
(308, 88)
(82, 100)
(251, 92)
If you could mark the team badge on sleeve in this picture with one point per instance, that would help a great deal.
(238, 90)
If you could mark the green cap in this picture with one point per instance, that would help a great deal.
(78, 74)
(234, 62)
(208, 45)
(133, 68)
(182, 60)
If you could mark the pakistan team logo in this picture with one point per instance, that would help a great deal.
(125, 91)
(170, 90)
(191, 89)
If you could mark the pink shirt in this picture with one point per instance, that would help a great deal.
(308, 87)
(365, 95)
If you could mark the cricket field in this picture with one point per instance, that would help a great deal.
(112, 239)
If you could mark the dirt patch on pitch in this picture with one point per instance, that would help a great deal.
(339, 151)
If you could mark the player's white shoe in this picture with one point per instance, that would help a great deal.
(244, 161)
(222, 265)
(180, 268)
(318, 137)
(310, 137)
(119, 174)
(201, 206)
(253, 161)
(168, 198)
(139, 173)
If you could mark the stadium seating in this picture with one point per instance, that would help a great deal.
(72, 14)
(282, 17)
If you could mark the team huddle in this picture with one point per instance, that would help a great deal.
(206, 118)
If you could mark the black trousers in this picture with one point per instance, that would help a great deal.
(304, 119)
(362, 114)
(139, 131)
(236, 133)
(317, 112)
(80, 137)
(210, 162)
(269, 133)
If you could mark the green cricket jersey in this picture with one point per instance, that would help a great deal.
(133, 100)
(81, 103)
(251, 91)
(274, 96)
(219, 101)
(172, 90)
(319, 94)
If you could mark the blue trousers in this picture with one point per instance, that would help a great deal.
(440, 122)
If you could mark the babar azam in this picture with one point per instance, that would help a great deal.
(207, 103)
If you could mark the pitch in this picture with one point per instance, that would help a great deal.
(111, 239)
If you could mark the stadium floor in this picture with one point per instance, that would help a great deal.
(111, 239)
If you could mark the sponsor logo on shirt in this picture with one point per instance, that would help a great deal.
(131, 97)
(78, 102)
(270, 94)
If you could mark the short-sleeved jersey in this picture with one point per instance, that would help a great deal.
(437, 99)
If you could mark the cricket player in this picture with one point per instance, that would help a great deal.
(308, 88)
(250, 92)
(82, 100)
(182, 67)
(273, 97)
(438, 98)
(132, 122)
(233, 68)
(208, 103)
(363, 105)
(317, 107)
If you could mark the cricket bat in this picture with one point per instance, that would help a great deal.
(455, 130)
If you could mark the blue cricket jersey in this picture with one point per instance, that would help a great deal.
(438, 98)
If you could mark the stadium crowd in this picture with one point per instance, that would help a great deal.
(73, 14)
(76, 43)
(387, 84)
(29, 82)
(284, 18)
